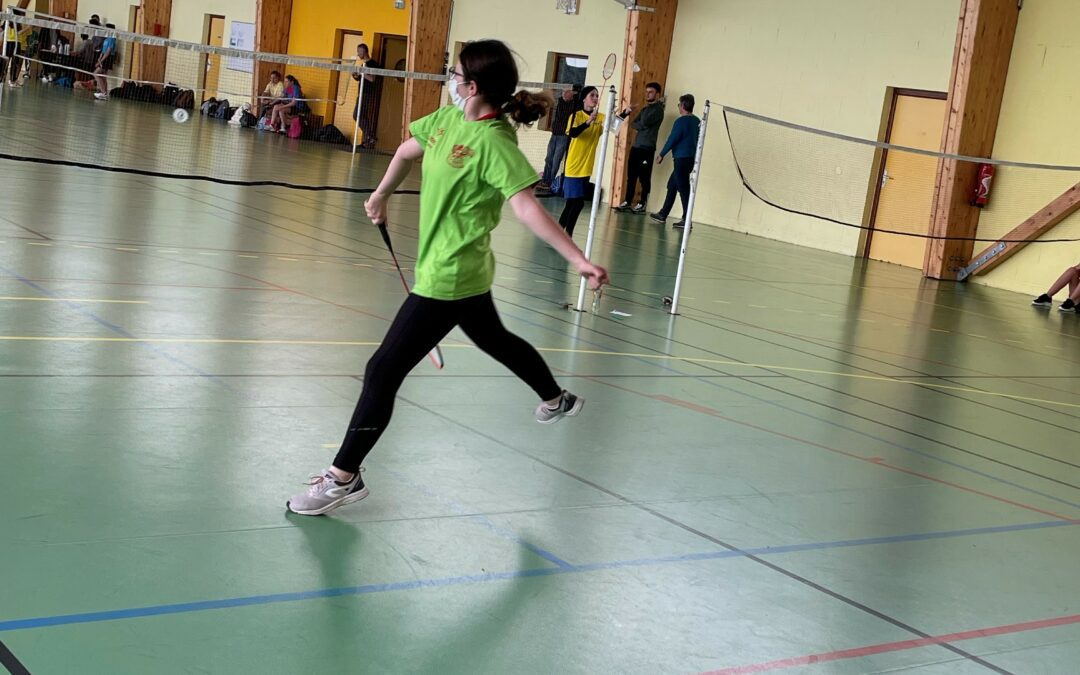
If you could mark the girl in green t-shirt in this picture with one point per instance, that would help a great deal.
(471, 167)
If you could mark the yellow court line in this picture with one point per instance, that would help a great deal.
(589, 352)
(116, 302)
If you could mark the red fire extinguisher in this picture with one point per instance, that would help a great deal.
(981, 194)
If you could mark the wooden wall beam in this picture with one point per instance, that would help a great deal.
(648, 44)
(429, 31)
(272, 21)
(1037, 225)
(156, 18)
(984, 42)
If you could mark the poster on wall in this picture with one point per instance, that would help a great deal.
(242, 36)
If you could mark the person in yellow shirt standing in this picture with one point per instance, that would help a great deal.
(584, 128)
(16, 43)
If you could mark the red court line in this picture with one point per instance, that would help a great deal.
(871, 460)
(902, 645)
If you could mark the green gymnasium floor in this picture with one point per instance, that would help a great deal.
(823, 466)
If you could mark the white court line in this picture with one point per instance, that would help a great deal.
(288, 259)
(38, 243)
(131, 250)
(207, 253)
(29, 299)
(167, 250)
(241, 255)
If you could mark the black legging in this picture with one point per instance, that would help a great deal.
(570, 214)
(417, 328)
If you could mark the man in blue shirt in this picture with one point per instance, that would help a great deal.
(682, 144)
(103, 65)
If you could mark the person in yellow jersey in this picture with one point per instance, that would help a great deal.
(472, 166)
(584, 129)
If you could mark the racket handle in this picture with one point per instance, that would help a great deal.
(385, 236)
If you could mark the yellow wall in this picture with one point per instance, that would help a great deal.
(187, 24)
(534, 28)
(314, 27)
(1037, 124)
(824, 64)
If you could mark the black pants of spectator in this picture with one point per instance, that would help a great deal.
(419, 325)
(678, 183)
(570, 214)
(11, 64)
(368, 119)
(639, 169)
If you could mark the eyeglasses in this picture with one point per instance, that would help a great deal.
(452, 73)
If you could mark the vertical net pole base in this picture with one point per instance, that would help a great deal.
(688, 220)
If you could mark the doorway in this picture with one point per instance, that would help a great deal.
(213, 35)
(905, 188)
(393, 52)
(343, 88)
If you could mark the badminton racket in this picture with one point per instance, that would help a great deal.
(609, 70)
(435, 354)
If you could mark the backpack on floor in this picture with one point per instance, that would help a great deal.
(185, 99)
(330, 134)
(296, 127)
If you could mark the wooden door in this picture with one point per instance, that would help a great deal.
(906, 196)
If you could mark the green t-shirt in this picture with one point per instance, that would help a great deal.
(470, 169)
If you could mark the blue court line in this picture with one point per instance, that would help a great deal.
(441, 582)
(115, 328)
(782, 406)
(479, 519)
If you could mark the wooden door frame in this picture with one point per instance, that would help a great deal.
(335, 80)
(881, 156)
(208, 22)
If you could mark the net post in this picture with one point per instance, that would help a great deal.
(359, 105)
(688, 217)
(598, 172)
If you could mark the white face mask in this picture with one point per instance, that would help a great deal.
(457, 99)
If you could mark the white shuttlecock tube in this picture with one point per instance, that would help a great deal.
(359, 103)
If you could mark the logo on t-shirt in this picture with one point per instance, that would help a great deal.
(458, 155)
(433, 139)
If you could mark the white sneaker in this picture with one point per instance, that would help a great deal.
(568, 406)
(325, 493)
(100, 96)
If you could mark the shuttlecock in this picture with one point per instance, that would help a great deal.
(180, 115)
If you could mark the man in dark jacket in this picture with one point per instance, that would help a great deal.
(639, 166)
(682, 144)
(565, 106)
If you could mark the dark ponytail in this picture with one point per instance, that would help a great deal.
(526, 107)
(491, 66)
